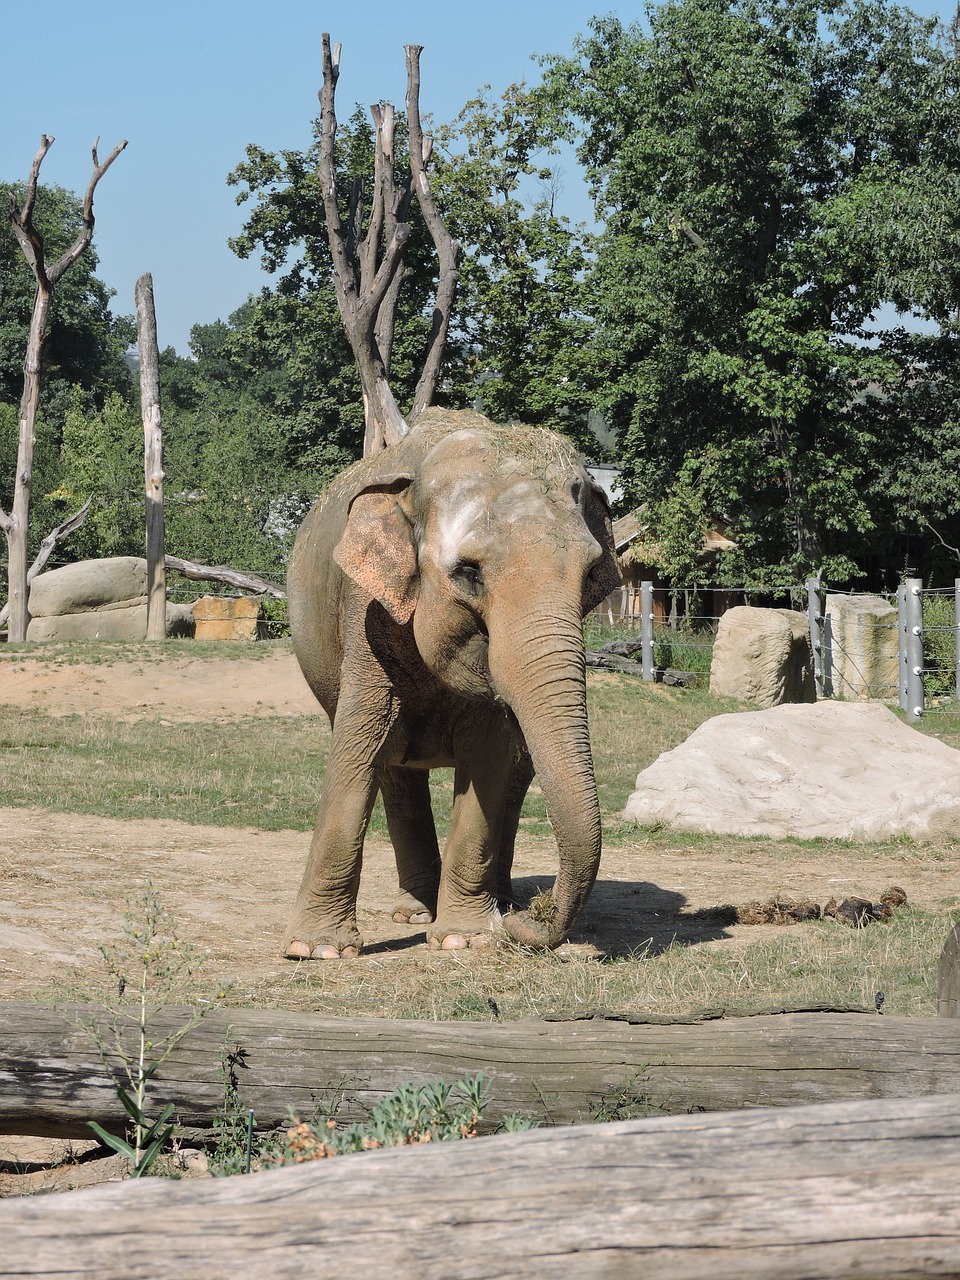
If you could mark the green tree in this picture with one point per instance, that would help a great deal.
(769, 175)
(231, 496)
(101, 457)
(521, 314)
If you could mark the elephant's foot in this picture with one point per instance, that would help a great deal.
(461, 941)
(458, 933)
(307, 941)
(297, 950)
(412, 910)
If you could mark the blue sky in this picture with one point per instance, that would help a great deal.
(190, 84)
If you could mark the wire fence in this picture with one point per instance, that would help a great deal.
(902, 647)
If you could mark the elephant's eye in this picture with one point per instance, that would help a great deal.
(468, 575)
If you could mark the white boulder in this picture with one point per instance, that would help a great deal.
(845, 770)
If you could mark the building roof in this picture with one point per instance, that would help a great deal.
(631, 533)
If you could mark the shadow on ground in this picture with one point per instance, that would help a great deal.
(633, 917)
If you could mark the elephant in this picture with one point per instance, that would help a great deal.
(436, 596)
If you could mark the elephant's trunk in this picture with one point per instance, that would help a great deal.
(538, 668)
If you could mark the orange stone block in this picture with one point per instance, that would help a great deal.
(228, 618)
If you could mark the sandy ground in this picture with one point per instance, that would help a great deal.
(66, 879)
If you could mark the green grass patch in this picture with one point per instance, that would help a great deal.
(105, 652)
(263, 773)
(266, 772)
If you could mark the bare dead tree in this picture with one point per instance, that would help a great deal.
(149, 351)
(368, 269)
(16, 524)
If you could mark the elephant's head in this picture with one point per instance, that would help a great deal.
(493, 548)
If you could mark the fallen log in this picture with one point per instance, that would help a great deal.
(52, 1080)
(223, 573)
(851, 1189)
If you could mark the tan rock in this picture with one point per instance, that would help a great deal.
(113, 622)
(847, 770)
(762, 656)
(860, 641)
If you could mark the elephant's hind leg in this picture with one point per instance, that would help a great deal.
(519, 785)
(467, 912)
(406, 803)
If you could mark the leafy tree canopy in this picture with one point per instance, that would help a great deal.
(769, 174)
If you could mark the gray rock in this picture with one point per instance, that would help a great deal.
(114, 623)
(88, 585)
(762, 656)
(844, 770)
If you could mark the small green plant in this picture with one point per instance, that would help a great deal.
(628, 1102)
(146, 969)
(410, 1116)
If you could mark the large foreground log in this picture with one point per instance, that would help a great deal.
(854, 1189)
(559, 1072)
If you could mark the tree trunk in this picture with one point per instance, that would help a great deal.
(17, 525)
(852, 1190)
(948, 976)
(559, 1072)
(152, 457)
(368, 273)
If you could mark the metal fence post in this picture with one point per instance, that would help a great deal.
(814, 622)
(956, 617)
(910, 627)
(646, 630)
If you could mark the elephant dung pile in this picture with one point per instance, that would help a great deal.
(849, 771)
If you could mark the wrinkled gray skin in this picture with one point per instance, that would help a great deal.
(436, 599)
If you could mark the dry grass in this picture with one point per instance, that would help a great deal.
(265, 773)
(805, 965)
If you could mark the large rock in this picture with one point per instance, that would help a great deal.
(762, 656)
(845, 770)
(116, 622)
(860, 648)
(88, 585)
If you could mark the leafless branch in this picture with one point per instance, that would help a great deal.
(221, 573)
(448, 249)
(86, 232)
(939, 537)
(70, 525)
(359, 309)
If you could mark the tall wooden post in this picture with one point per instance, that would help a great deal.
(152, 457)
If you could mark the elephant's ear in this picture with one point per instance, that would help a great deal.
(605, 576)
(377, 549)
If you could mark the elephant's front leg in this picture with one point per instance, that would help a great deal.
(324, 925)
(467, 908)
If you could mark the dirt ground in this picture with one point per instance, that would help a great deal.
(66, 879)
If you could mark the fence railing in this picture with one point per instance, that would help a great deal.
(927, 622)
